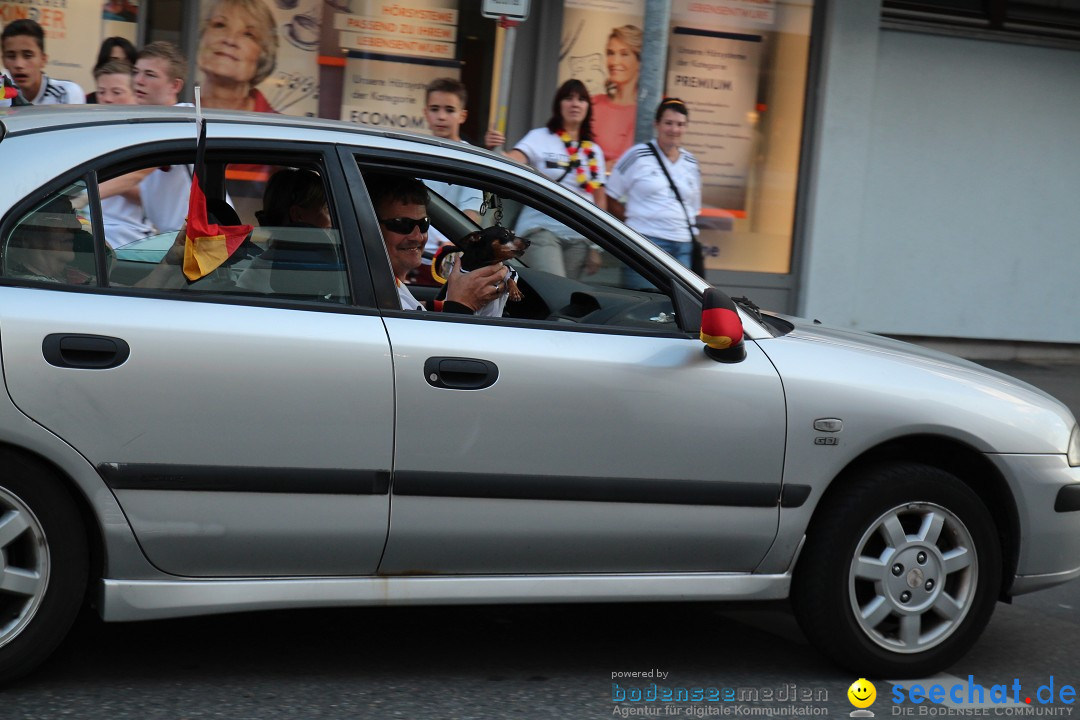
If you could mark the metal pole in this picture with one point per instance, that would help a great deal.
(651, 80)
(510, 27)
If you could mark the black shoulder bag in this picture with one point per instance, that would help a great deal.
(697, 257)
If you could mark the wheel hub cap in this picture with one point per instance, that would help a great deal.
(913, 578)
(24, 566)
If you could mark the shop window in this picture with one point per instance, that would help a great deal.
(742, 74)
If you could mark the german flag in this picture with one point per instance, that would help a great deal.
(206, 245)
(11, 92)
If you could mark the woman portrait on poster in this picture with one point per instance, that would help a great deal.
(238, 46)
(615, 112)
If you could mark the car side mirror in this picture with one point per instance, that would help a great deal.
(721, 328)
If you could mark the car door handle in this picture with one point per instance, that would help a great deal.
(460, 373)
(89, 352)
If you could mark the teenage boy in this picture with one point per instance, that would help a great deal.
(160, 68)
(158, 80)
(114, 83)
(23, 43)
(444, 111)
(122, 215)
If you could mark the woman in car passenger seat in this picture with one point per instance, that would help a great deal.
(294, 200)
(294, 197)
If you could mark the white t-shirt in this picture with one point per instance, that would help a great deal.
(462, 197)
(124, 221)
(59, 92)
(547, 153)
(165, 196)
(408, 302)
(639, 183)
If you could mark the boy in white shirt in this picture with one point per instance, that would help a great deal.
(122, 214)
(23, 43)
(159, 77)
(444, 111)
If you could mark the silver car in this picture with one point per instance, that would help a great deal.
(281, 434)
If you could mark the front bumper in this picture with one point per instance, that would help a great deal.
(1049, 528)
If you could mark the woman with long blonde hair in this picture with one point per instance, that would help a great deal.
(615, 112)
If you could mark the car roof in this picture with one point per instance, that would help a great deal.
(22, 120)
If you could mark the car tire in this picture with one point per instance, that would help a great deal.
(899, 573)
(43, 564)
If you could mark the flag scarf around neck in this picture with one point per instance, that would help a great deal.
(207, 244)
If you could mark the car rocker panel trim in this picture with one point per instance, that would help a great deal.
(209, 478)
(586, 489)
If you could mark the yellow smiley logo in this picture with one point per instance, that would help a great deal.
(862, 693)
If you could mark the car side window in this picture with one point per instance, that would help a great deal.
(54, 241)
(290, 250)
(562, 274)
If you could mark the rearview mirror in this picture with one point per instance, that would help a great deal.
(721, 327)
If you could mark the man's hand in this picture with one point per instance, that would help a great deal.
(477, 288)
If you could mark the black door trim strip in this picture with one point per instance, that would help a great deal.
(586, 489)
(213, 478)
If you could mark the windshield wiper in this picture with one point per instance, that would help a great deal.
(748, 305)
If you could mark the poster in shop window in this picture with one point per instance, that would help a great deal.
(119, 18)
(714, 60)
(120, 11)
(259, 55)
(601, 47)
(71, 50)
(395, 49)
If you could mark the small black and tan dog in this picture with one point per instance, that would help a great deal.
(479, 249)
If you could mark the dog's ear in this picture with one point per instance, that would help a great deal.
(469, 241)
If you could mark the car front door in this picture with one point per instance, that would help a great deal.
(555, 446)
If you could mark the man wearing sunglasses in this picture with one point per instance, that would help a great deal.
(401, 206)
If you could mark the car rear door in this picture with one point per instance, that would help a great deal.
(243, 434)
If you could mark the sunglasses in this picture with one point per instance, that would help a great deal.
(404, 225)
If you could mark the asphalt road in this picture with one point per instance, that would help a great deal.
(506, 661)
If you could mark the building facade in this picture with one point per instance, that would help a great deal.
(898, 166)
